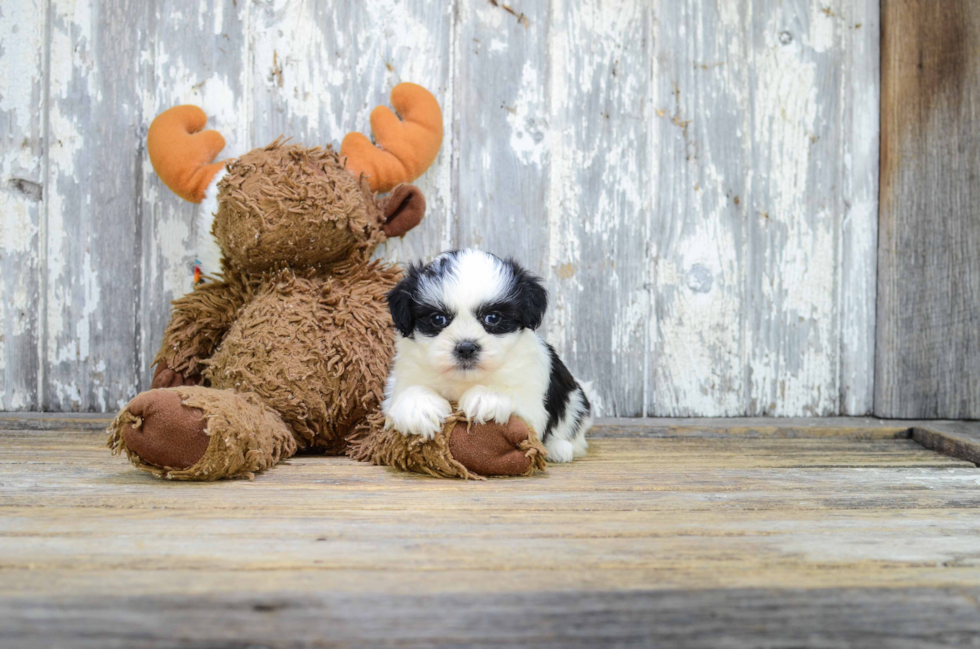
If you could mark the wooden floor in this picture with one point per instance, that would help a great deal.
(695, 533)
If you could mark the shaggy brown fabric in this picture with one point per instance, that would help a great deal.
(315, 348)
(513, 449)
(164, 377)
(244, 436)
(200, 319)
(288, 203)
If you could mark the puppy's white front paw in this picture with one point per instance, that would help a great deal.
(560, 450)
(481, 405)
(418, 412)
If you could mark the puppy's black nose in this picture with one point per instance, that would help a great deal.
(466, 350)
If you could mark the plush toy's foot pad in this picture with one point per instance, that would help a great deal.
(195, 433)
(493, 449)
(166, 433)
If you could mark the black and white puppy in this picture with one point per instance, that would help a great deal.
(466, 323)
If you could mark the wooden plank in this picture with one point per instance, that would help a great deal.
(598, 198)
(697, 237)
(92, 237)
(957, 439)
(55, 421)
(750, 427)
(501, 119)
(751, 121)
(193, 54)
(23, 51)
(794, 207)
(928, 352)
(860, 108)
(319, 68)
(778, 509)
(690, 541)
(863, 617)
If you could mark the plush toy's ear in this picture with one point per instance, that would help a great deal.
(531, 294)
(406, 147)
(401, 299)
(403, 210)
(180, 152)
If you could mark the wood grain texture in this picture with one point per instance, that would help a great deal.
(859, 182)
(957, 439)
(856, 539)
(501, 122)
(92, 225)
(23, 31)
(743, 618)
(697, 193)
(598, 197)
(928, 359)
(760, 242)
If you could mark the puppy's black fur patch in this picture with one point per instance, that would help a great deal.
(529, 293)
(401, 300)
(524, 306)
(561, 385)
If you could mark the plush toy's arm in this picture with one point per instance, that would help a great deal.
(198, 322)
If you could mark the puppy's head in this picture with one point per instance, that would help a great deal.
(466, 310)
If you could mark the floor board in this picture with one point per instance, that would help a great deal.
(690, 533)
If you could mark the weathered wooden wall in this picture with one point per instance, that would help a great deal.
(928, 334)
(696, 179)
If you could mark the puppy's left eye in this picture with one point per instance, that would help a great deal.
(491, 319)
(438, 319)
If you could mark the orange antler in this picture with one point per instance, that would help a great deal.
(180, 154)
(406, 147)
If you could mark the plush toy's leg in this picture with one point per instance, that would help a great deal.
(196, 433)
(461, 450)
(493, 449)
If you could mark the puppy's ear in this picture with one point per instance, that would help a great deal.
(531, 295)
(400, 302)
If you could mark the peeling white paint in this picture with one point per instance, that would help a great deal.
(22, 28)
(859, 227)
(798, 247)
(823, 20)
(658, 276)
(527, 138)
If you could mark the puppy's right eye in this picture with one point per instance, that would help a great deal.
(437, 320)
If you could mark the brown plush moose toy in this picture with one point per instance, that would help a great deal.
(287, 348)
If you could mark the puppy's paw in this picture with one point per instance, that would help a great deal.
(560, 450)
(418, 411)
(481, 405)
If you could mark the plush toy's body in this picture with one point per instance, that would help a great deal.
(289, 348)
